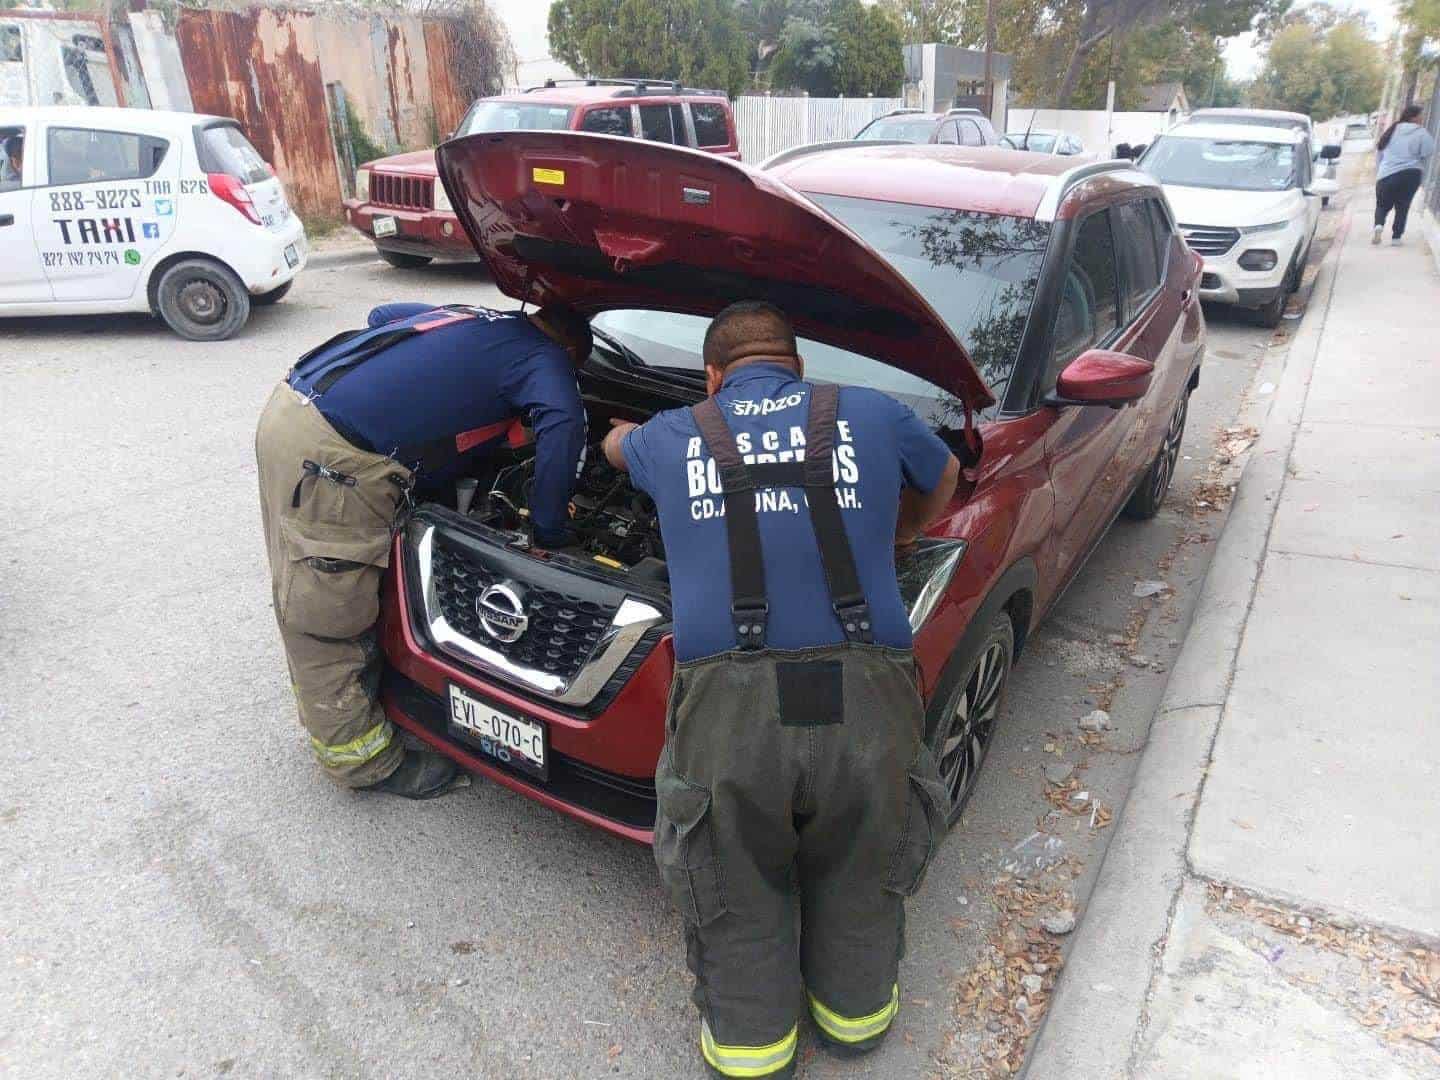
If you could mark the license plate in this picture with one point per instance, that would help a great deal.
(511, 740)
(384, 226)
(292, 256)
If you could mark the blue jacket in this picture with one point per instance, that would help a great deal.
(466, 381)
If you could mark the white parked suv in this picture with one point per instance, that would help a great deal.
(109, 210)
(1248, 202)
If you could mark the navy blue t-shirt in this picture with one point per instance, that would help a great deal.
(880, 446)
(458, 381)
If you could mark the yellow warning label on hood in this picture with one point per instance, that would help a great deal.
(548, 176)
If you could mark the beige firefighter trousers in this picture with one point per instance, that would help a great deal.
(328, 536)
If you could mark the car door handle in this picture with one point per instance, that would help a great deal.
(6, 219)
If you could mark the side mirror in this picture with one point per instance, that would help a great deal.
(1102, 377)
(1330, 151)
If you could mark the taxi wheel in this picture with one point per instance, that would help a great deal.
(402, 261)
(274, 296)
(202, 301)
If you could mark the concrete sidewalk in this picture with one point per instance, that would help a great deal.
(1270, 903)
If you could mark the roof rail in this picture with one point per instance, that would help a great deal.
(1070, 178)
(964, 110)
(628, 87)
(820, 147)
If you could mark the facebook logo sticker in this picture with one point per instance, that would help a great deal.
(150, 230)
(164, 207)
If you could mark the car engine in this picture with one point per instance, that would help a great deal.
(616, 524)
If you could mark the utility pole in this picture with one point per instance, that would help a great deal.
(989, 61)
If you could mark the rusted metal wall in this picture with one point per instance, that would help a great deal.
(447, 98)
(262, 67)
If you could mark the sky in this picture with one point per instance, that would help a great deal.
(1242, 60)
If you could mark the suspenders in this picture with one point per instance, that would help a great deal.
(749, 605)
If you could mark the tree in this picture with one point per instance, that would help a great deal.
(1321, 71)
(700, 42)
(942, 22)
(845, 49)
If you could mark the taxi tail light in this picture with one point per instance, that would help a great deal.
(229, 189)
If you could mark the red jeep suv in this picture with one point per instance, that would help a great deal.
(399, 205)
(1044, 319)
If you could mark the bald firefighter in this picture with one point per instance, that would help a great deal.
(794, 770)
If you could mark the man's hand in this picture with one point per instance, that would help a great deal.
(613, 453)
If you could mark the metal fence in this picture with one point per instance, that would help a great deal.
(1432, 172)
(767, 125)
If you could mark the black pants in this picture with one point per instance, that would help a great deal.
(1394, 192)
(795, 778)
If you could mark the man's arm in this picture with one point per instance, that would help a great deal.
(919, 508)
(614, 452)
(547, 390)
(387, 313)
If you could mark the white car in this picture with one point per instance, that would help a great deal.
(1043, 141)
(1247, 200)
(113, 210)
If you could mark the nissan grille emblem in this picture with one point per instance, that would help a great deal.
(502, 612)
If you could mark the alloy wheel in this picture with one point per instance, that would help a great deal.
(1170, 450)
(972, 721)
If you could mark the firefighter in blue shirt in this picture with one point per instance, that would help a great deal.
(358, 423)
(794, 748)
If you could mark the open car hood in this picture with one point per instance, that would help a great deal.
(604, 223)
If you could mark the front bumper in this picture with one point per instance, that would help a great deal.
(431, 233)
(602, 765)
(1225, 281)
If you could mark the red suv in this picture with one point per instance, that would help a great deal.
(1043, 318)
(399, 205)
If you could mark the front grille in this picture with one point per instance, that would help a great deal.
(563, 630)
(1210, 240)
(629, 800)
(1209, 281)
(403, 192)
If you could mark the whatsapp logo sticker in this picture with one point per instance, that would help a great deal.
(132, 257)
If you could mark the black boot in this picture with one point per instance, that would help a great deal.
(420, 775)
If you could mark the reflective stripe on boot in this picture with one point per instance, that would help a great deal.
(747, 1060)
(843, 1029)
(358, 750)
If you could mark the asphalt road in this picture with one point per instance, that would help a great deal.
(183, 894)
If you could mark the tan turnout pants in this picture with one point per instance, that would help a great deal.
(328, 538)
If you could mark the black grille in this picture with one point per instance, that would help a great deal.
(563, 630)
(1210, 240)
(405, 192)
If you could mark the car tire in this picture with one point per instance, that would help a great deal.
(401, 261)
(1324, 201)
(1270, 315)
(201, 300)
(1150, 493)
(960, 723)
(274, 296)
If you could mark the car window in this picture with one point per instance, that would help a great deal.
(1138, 257)
(12, 158)
(949, 133)
(657, 124)
(1089, 296)
(609, 121)
(11, 49)
(1164, 231)
(1221, 163)
(970, 133)
(711, 128)
(81, 155)
(223, 148)
(910, 129)
(515, 116)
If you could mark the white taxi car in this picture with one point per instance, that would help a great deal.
(1248, 201)
(109, 210)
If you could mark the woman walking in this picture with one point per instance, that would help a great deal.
(1404, 149)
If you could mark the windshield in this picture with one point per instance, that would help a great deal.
(1037, 141)
(515, 116)
(1219, 163)
(1356, 131)
(1251, 120)
(978, 271)
(914, 129)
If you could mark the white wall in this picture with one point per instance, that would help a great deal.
(1134, 128)
(767, 125)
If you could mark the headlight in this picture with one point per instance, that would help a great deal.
(362, 185)
(925, 574)
(1258, 259)
(442, 199)
(1251, 230)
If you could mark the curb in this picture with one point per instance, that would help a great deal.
(1097, 1017)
